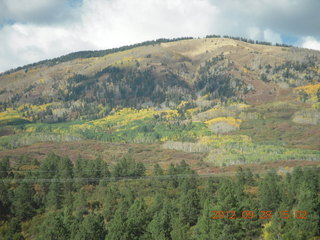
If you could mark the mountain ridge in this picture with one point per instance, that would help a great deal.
(99, 53)
(220, 97)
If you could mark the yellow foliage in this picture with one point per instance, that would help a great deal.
(204, 97)
(192, 111)
(127, 61)
(30, 129)
(310, 89)
(170, 114)
(182, 104)
(229, 120)
(266, 234)
(221, 139)
(41, 80)
(315, 69)
(245, 70)
(164, 139)
(126, 115)
(241, 105)
(10, 114)
(34, 108)
(316, 105)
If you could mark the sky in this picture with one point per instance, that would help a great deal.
(34, 30)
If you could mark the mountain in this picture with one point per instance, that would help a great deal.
(233, 101)
(214, 138)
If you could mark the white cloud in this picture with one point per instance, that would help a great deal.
(33, 10)
(43, 29)
(114, 23)
(271, 36)
(105, 24)
(22, 44)
(311, 43)
(254, 33)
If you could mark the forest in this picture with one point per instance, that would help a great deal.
(88, 199)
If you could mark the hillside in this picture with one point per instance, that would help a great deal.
(230, 101)
(213, 138)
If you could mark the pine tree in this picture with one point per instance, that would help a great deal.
(4, 168)
(55, 195)
(189, 207)
(241, 176)
(11, 230)
(157, 170)
(299, 229)
(269, 192)
(92, 228)
(139, 170)
(53, 228)
(204, 227)
(80, 203)
(160, 226)
(4, 201)
(171, 171)
(111, 199)
(117, 227)
(23, 205)
(137, 219)
(179, 229)
(65, 172)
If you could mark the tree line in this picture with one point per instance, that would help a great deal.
(60, 199)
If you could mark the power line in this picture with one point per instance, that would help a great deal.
(106, 179)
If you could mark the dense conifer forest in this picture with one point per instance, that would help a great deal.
(87, 199)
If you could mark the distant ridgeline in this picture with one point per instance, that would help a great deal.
(95, 53)
(100, 53)
(247, 40)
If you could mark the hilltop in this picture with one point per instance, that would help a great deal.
(213, 101)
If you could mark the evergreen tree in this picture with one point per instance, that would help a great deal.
(179, 229)
(204, 227)
(171, 171)
(189, 207)
(53, 228)
(299, 228)
(4, 168)
(111, 199)
(160, 226)
(157, 204)
(137, 219)
(92, 228)
(269, 192)
(4, 201)
(11, 230)
(139, 170)
(55, 195)
(23, 206)
(80, 203)
(183, 168)
(157, 170)
(127, 167)
(65, 172)
(117, 227)
(241, 176)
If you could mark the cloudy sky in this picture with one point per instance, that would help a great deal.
(33, 30)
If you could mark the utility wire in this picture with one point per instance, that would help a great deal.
(105, 179)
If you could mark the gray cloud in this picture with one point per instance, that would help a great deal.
(44, 29)
(36, 11)
(291, 17)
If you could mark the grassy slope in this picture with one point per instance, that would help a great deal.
(274, 103)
